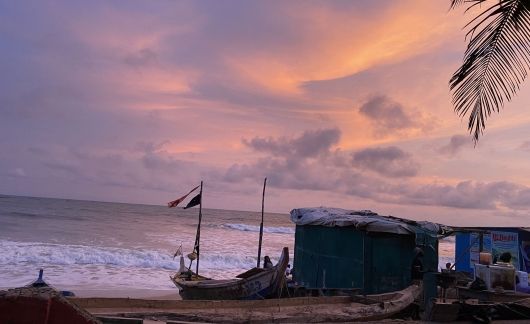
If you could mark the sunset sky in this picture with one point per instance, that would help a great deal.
(339, 103)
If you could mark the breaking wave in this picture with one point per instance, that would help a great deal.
(255, 228)
(17, 253)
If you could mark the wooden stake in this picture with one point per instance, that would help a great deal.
(261, 225)
(198, 239)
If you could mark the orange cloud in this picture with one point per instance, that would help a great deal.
(335, 43)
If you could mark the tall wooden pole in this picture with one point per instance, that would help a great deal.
(198, 238)
(261, 225)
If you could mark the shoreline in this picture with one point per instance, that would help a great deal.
(128, 293)
(132, 293)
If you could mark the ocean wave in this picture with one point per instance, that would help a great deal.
(16, 253)
(255, 228)
(23, 214)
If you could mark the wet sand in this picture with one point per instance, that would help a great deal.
(128, 293)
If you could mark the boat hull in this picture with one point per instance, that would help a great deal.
(256, 288)
(30, 305)
(491, 296)
(285, 310)
(256, 283)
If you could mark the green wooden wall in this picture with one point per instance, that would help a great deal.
(344, 258)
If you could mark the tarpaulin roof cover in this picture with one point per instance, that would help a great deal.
(365, 220)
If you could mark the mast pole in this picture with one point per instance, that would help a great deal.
(261, 225)
(198, 238)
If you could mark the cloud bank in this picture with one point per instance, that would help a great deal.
(332, 101)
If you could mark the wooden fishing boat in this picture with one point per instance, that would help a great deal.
(491, 296)
(285, 310)
(256, 283)
(38, 302)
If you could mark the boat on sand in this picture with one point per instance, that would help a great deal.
(360, 308)
(256, 283)
(38, 302)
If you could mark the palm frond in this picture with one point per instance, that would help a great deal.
(496, 61)
(456, 3)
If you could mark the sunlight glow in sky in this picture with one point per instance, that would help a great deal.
(338, 103)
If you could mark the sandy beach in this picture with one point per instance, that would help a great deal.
(129, 293)
(152, 294)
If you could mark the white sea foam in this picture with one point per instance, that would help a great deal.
(90, 266)
(255, 228)
(57, 254)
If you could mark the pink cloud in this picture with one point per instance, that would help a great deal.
(109, 99)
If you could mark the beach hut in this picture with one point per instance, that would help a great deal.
(479, 251)
(495, 240)
(346, 249)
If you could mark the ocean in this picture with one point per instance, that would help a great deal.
(116, 246)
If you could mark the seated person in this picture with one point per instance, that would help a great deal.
(505, 259)
(267, 263)
(448, 267)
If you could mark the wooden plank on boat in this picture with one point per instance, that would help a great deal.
(110, 303)
(491, 296)
(119, 320)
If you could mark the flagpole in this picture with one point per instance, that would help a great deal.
(198, 239)
(261, 225)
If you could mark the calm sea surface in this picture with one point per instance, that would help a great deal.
(112, 246)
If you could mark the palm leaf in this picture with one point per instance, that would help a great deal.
(496, 60)
(456, 3)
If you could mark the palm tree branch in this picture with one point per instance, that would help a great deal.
(456, 3)
(496, 61)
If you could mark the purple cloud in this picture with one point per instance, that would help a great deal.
(456, 143)
(309, 144)
(387, 115)
(386, 161)
(143, 57)
(307, 162)
(466, 194)
(525, 146)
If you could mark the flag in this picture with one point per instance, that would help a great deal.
(179, 252)
(174, 203)
(194, 202)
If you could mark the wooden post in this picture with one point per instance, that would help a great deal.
(199, 234)
(261, 225)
